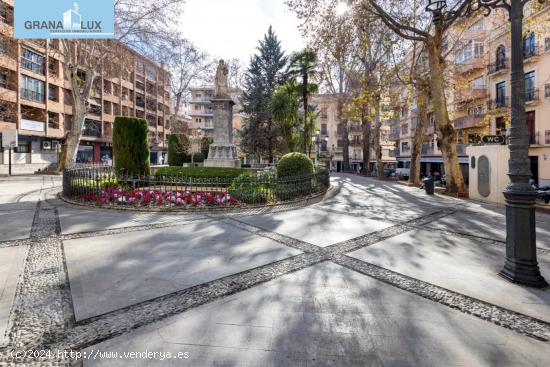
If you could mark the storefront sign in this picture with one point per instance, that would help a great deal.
(9, 138)
(32, 125)
(493, 139)
(64, 19)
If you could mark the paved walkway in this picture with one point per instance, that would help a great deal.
(375, 274)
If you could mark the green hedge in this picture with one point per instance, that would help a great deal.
(130, 146)
(294, 164)
(248, 190)
(200, 172)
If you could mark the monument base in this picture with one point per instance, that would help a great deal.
(223, 163)
(222, 155)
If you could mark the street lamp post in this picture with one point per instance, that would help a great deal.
(521, 264)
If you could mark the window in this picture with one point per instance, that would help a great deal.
(501, 94)
(4, 79)
(23, 148)
(52, 67)
(151, 72)
(6, 13)
(32, 89)
(547, 90)
(324, 129)
(500, 58)
(478, 83)
(52, 92)
(529, 47)
(32, 61)
(475, 110)
(530, 91)
(92, 128)
(472, 50)
(547, 137)
(405, 146)
(53, 122)
(547, 44)
(404, 129)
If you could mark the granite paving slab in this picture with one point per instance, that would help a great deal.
(114, 271)
(318, 227)
(463, 265)
(12, 261)
(325, 315)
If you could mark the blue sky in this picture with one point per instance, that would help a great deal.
(231, 28)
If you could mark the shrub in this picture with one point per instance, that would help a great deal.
(248, 190)
(198, 158)
(178, 149)
(294, 164)
(130, 146)
(200, 172)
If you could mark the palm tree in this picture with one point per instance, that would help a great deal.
(303, 65)
(283, 106)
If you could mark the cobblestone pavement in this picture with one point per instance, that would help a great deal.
(376, 274)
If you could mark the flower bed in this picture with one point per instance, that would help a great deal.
(100, 186)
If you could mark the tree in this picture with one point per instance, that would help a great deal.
(283, 106)
(206, 141)
(409, 21)
(179, 147)
(143, 26)
(265, 73)
(130, 146)
(303, 65)
(188, 65)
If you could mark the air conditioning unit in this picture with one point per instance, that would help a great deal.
(46, 145)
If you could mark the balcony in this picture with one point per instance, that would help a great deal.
(531, 95)
(498, 67)
(470, 121)
(470, 94)
(501, 102)
(395, 133)
(531, 53)
(470, 65)
(427, 149)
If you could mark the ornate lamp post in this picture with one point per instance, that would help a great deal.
(521, 264)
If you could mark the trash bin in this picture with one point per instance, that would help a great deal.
(429, 184)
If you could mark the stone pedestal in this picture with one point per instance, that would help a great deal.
(223, 153)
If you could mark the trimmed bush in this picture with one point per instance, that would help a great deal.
(294, 164)
(130, 146)
(178, 149)
(198, 158)
(200, 172)
(247, 190)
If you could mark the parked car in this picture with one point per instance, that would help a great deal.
(402, 173)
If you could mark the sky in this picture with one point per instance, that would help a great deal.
(230, 29)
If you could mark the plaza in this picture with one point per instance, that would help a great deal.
(374, 273)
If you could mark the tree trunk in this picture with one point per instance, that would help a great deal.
(376, 141)
(366, 124)
(345, 138)
(446, 134)
(418, 140)
(69, 150)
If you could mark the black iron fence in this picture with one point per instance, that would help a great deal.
(100, 185)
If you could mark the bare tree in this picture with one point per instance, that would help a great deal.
(409, 20)
(144, 26)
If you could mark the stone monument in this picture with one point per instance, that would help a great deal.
(222, 153)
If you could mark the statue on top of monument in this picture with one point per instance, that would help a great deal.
(221, 88)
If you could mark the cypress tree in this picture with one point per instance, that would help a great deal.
(130, 147)
(265, 73)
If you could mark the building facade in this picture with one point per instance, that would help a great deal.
(36, 100)
(331, 139)
(479, 92)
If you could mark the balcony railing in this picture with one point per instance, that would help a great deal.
(498, 66)
(531, 52)
(531, 95)
(427, 149)
(501, 102)
(469, 121)
(470, 94)
(470, 65)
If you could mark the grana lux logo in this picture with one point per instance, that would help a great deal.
(72, 22)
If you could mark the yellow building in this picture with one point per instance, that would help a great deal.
(331, 138)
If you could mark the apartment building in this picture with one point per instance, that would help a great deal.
(331, 138)
(202, 114)
(479, 92)
(35, 99)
